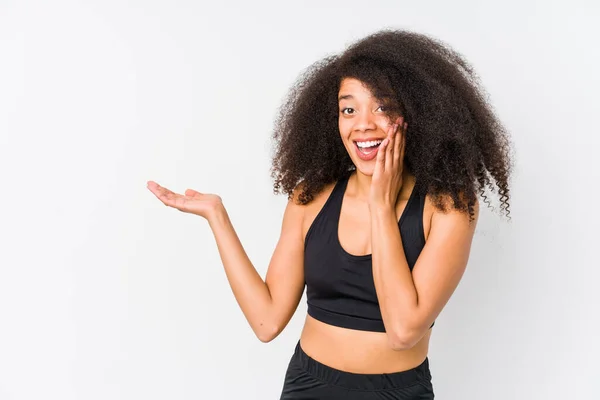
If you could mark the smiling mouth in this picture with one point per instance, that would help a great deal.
(367, 150)
(367, 147)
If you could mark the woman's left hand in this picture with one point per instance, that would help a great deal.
(387, 178)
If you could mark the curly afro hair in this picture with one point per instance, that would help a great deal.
(455, 145)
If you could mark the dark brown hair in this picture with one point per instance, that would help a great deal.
(455, 145)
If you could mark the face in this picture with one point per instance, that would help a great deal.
(363, 124)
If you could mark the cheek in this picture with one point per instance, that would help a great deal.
(384, 123)
(344, 128)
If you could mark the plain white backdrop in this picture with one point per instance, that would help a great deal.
(107, 294)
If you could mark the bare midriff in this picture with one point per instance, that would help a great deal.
(356, 351)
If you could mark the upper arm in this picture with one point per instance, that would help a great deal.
(285, 274)
(442, 263)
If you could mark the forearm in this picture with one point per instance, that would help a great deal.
(249, 289)
(395, 288)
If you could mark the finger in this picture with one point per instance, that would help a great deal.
(168, 197)
(389, 152)
(155, 188)
(380, 163)
(193, 193)
(403, 147)
(175, 200)
(399, 136)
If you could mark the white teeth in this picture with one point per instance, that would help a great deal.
(368, 144)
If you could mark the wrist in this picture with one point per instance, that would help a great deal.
(381, 210)
(217, 215)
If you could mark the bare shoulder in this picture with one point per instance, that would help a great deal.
(429, 210)
(311, 209)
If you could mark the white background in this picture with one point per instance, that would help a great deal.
(107, 294)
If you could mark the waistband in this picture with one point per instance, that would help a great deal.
(356, 381)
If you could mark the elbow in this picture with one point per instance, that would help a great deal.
(265, 338)
(400, 341)
(400, 345)
(267, 334)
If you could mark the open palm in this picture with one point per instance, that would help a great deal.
(192, 202)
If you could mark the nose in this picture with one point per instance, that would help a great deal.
(365, 121)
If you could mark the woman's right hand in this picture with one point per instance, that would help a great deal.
(193, 202)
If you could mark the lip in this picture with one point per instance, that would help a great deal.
(366, 157)
(370, 139)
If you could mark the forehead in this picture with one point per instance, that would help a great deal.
(354, 87)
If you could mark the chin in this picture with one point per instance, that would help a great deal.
(366, 169)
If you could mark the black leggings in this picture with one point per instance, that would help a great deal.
(308, 379)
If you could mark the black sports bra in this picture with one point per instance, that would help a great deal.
(339, 286)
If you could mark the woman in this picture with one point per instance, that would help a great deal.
(382, 151)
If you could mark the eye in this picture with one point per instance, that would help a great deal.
(382, 108)
(347, 110)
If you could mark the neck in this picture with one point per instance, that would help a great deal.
(360, 184)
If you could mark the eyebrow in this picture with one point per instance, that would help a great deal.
(345, 97)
